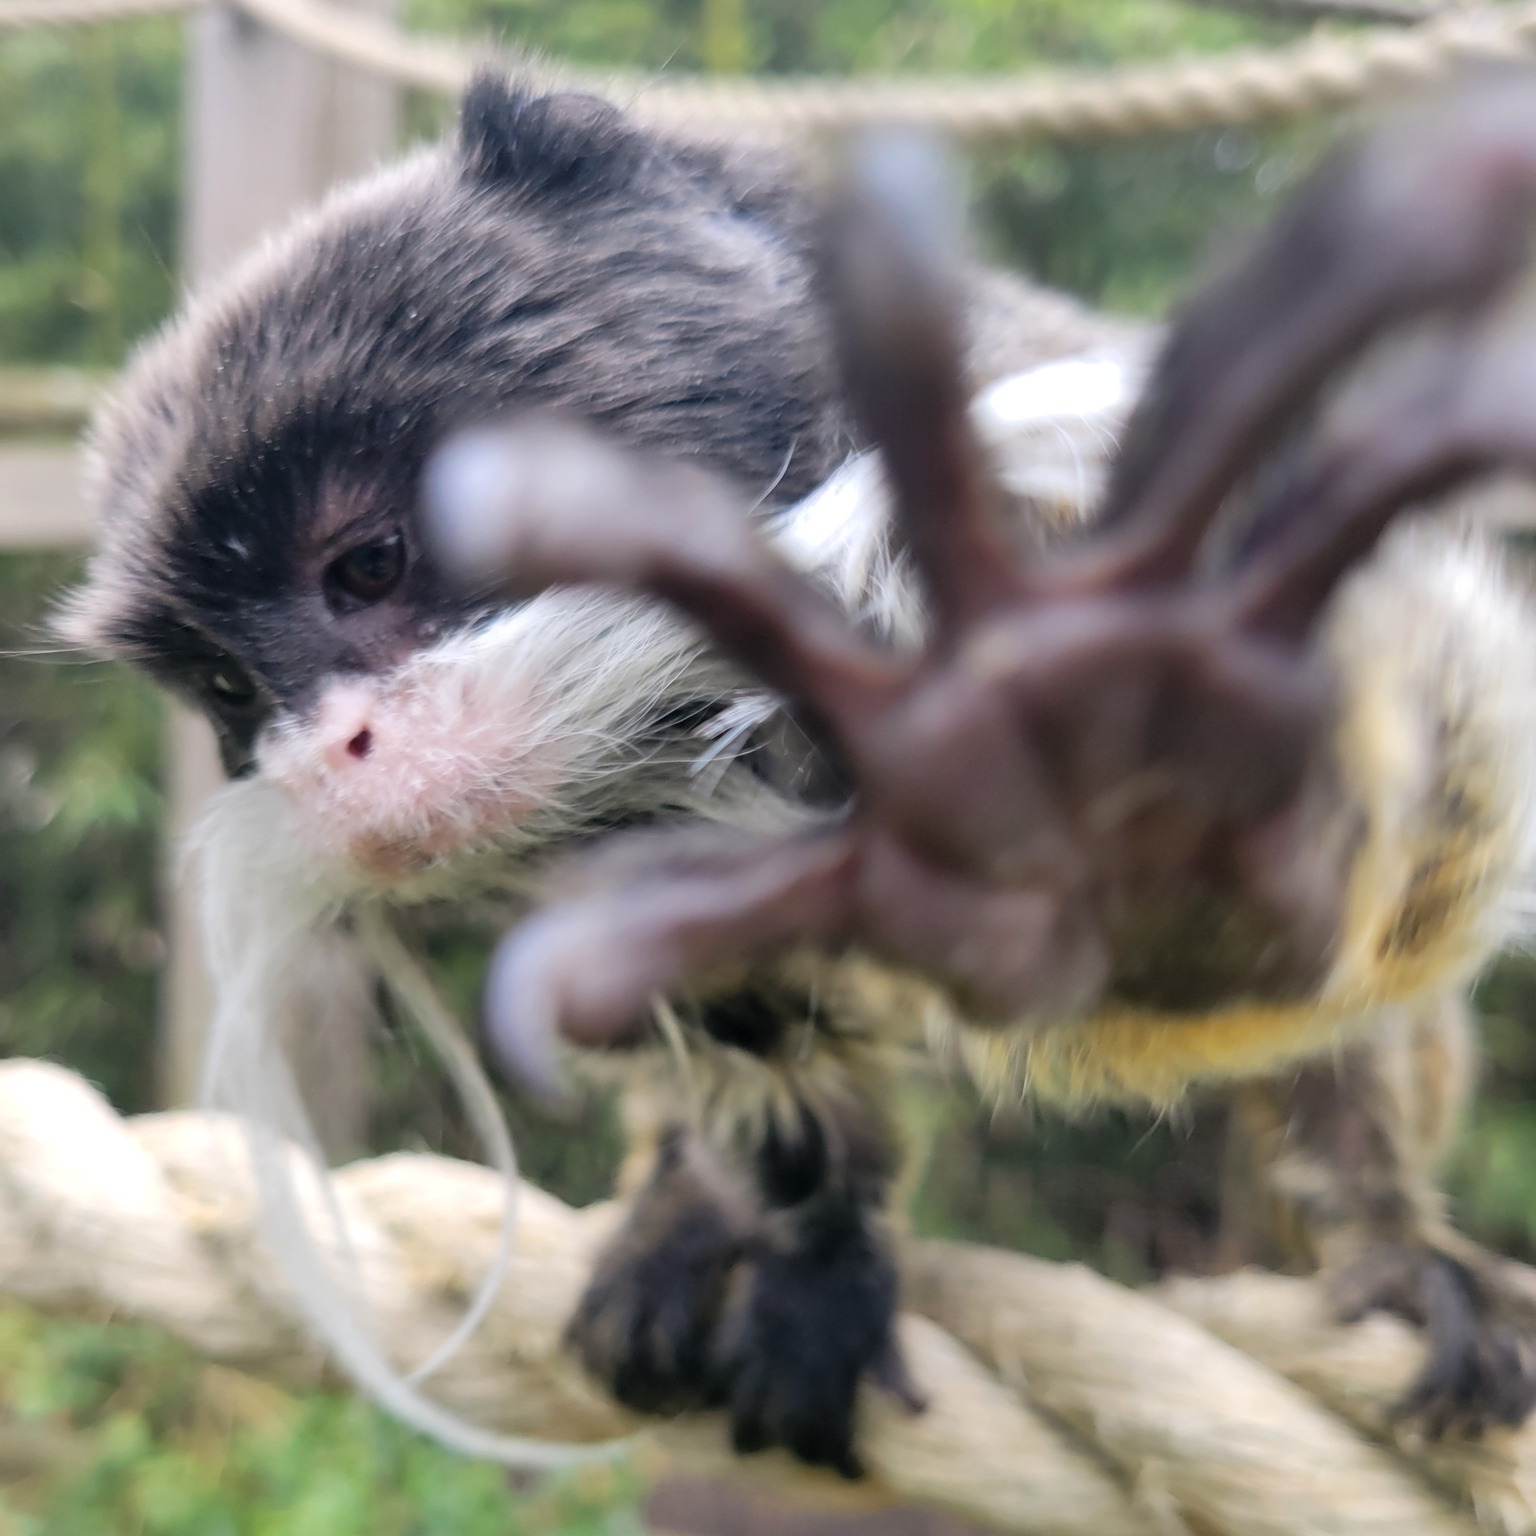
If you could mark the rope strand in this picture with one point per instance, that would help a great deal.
(1061, 1404)
(15, 14)
(1319, 73)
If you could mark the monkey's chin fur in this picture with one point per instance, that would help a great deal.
(523, 733)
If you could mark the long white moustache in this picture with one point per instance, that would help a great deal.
(504, 735)
(265, 903)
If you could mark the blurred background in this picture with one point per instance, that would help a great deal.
(115, 1430)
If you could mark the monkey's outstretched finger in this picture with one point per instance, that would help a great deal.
(524, 1001)
(516, 507)
(890, 262)
(1432, 214)
(587, 969)
(1462, 412)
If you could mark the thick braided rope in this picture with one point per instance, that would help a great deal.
(1397, 13)
(1321, 72)
(1318, 73)
(15, 14)
(1060, 1403)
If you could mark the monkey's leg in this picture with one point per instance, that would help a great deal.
(756, 1270)
(1350, 1147)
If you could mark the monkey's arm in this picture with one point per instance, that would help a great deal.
(1346, 1152)
(1432, 646)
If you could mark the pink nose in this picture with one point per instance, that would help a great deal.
(343, 727)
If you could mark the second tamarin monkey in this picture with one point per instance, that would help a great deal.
(257, 478)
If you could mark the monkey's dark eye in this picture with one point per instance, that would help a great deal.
(368, 573)
(230, 687)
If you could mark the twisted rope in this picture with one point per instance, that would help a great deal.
(1061, 1404)
(1396, 13)
(1316, 74)
(1319, 73)
(15, 14)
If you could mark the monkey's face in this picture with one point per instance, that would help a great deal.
(270, 612)
(408, 726)
(257, 476)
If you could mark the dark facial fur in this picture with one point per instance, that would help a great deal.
(264, 452)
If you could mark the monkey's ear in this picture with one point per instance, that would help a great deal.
(567, 146)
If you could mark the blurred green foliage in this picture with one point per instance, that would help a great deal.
(845, 36)
(117, 1430)
(1492, 1173)
(89, 165)
(110, 1431)
(80, 817)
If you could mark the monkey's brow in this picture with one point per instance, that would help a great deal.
(343, 515)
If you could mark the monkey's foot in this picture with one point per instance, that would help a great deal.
(695, 1304)
(1481, 1369)
(647, 1324)
(812, 1320)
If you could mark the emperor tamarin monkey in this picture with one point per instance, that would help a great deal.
(257, 477)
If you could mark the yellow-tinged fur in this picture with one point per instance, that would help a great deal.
(861, 1037)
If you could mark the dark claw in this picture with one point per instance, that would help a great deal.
(1480, 1371)
(749, 1433)
(817, 1317)
(647, 1323)
(890, 1374)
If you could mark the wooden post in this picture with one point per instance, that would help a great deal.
(269, 126)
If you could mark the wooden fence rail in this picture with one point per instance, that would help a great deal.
(247, 167)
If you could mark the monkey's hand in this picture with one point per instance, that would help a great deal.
(1344, 1152)
(1111, 773)
(1480, 1329)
